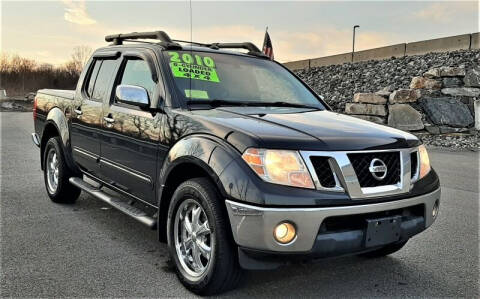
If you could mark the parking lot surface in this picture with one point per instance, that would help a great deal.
(90, 250)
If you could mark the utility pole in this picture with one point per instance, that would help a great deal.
(353, 45)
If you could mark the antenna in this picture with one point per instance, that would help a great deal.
(191, 43)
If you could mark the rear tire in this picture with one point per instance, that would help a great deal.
(386, 250)
(56, 174)
(196, 205)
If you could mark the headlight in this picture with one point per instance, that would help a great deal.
(424, 161)
(279, 167)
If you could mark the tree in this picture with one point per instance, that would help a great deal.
(80, 56)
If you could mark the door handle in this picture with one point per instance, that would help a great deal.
(109, 120)
(78, 112)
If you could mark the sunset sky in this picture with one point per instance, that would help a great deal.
(48, 30)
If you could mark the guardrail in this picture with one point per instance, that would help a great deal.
(444, 44)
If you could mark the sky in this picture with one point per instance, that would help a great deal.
(47, 31)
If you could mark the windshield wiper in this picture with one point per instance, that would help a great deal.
(219, 103)
(288, 104)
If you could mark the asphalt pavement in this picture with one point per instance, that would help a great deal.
(90, 250)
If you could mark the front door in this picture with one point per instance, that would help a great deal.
(87, 115)
(130, 136)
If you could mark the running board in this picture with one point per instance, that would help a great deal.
(124, 207)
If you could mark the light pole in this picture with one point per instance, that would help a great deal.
(353, 45)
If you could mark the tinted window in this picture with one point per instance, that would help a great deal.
(138, 73)
(201, 76)
(103, 79)
(93, 76)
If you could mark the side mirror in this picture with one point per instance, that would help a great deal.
(132, 95)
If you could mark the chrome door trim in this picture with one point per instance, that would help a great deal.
(127, 170)
(85, 153)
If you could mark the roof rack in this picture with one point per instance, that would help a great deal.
(118, 39)
(166, 41)
(252, 49)
(246, 45)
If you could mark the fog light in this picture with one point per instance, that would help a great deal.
(435, 209)
(284, 232)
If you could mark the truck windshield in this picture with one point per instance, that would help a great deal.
(202, 77)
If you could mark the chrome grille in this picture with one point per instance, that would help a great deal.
(351, 172)
(361, 163)
(414, 164)
(323, 171)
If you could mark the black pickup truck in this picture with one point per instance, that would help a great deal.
(233, 159)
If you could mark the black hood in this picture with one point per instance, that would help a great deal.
(303, 129)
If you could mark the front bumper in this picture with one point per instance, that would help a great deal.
(253, 226)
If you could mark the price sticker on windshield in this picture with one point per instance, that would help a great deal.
(195, 67)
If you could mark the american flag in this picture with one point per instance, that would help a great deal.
(267, 45)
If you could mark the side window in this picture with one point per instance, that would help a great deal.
(103, 79)
(138, 73)
(93, 77)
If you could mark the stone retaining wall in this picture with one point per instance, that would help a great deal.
(440, 101)
(339, 83)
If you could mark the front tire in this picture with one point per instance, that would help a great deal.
(56, 174)
(199, 241)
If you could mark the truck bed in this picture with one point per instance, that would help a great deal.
(63, 93)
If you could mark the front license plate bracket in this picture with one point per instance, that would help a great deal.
(383, 231)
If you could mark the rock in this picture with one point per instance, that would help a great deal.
(451, 82)
(404, 96)
(422, 82)
(430, 93)
(404, 117)
(370, 98)
(469, 101)
(448, 71)
(432, 73)
(462, 91)
(446, 130)
(383, 93)
(375, 119)
(432, 129)
(445, 71)
(389, 88)
(368, 109)
(447, 112)
(472, 77)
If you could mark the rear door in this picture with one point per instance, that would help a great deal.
(87, 115)
(130, 135)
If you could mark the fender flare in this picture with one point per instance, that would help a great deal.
(210, 153)
(56, 117)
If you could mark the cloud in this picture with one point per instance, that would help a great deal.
(447, 12)
(76, 12)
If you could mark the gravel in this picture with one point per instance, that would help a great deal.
(338, 83)
(452, 141)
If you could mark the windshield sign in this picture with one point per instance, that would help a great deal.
(196, 67)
